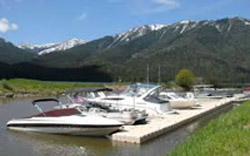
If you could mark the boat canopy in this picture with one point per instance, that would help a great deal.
(45, 100)
(139, 89)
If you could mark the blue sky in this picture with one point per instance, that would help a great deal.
(44, 21)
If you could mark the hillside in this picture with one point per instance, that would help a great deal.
(10, 54)
(209, 48)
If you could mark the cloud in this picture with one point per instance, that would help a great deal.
(170, 4)
(6, 26)
(82, 16)
(150, 6)
(163, 5)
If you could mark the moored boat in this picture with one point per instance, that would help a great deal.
(68, 121)
(137, 96)
(82, 99)
(179, 102)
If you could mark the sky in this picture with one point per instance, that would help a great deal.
(46, 21)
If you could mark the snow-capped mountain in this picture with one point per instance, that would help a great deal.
(221, 25)
(162, 30)
(52, 47)
(136, 32)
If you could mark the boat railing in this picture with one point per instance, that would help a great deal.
(34, 102)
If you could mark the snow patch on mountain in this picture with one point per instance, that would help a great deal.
(184, 22)
(136, 32)
(247, 23)
(217, 26)
(63, 46)
(183, 29)
(139, 31)
(52, 47)
(36, 46)
(229, 27)
(184, 25)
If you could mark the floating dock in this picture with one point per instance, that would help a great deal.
(161, 124)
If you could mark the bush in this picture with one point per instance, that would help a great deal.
(185, 79)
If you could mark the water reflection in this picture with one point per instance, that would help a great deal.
(43, 144)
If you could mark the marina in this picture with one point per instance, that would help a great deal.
(158, 125)
(124, 78)
(44, 144)
(136, 115)
(144, 119)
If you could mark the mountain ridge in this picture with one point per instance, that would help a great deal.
(210, 48)
(52, 47)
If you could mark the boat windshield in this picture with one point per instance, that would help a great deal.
(154, 95)
(138, 89)
(174, 96)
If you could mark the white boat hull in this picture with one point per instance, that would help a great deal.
(88, 131)
(67, 125)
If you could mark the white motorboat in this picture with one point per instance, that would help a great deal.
(68, 121)
(206, 92)
(79, 99)
(179, 102)
(138, 96)
(205, 96)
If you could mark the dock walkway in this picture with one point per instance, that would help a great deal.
(161, 124)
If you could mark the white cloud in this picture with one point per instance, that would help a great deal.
(170, 4)
(164, 5)
(6, 26)
(153, 6)
(82, 16)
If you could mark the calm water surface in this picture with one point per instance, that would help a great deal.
(28, 144)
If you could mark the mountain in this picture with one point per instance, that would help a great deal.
(134, 33)
(92, 48)
(210, 48)
(52, 47)
(11, 54)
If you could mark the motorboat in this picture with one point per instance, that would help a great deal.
(208, 96)
(179, 102)
(137, 96)
(67, 121)
(79, 98)
(206, 92)
(80, 95)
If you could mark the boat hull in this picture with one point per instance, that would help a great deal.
(68, 130)
(67, 125)
(182, 104)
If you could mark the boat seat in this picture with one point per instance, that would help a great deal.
(101, 94)
(59, 112)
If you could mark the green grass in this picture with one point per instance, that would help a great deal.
(35, 87)
(27, 86)
(229, 135)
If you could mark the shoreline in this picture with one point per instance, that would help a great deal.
(14, 88)
(222, 136)
(25, 95)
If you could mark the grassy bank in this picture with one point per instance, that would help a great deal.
(228, 135)
(35, 87)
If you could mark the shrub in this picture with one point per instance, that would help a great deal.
(185, 79)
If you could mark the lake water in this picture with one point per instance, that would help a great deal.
(20, 143)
